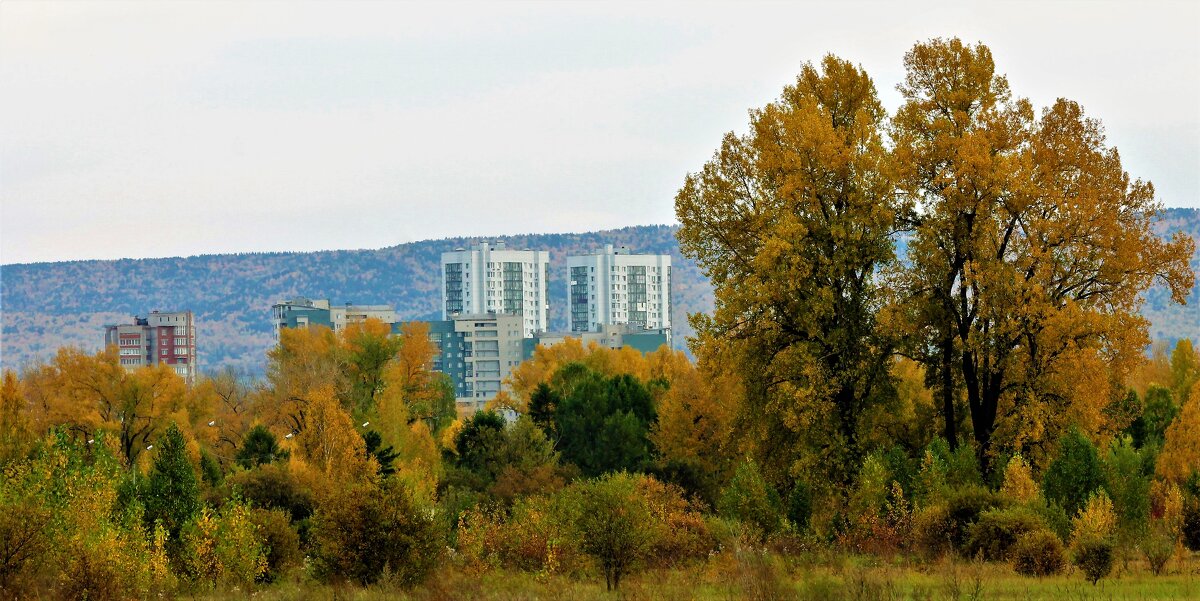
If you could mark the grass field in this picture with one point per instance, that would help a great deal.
(756, 576)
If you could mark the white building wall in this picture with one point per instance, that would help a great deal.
(493, 345)
(610, 278)
(474, 282)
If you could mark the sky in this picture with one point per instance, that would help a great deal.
(147, 129)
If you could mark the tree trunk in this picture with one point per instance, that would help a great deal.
(950, 432)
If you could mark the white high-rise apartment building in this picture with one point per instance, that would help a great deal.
(616, 287)
(493, 279)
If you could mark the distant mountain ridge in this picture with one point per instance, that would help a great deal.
(47, 305)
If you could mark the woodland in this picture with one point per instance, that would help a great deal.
(984, 417)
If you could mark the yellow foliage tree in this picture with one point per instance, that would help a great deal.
(331, 442)
(15, 428)
(695, 415)
(90, 392)
(1180, 456)
(1019, 484)
(1031, 249)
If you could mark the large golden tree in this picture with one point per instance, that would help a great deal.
(1030, 247)
(791, 223)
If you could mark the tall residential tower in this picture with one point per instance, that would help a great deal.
(613, 286)
(493, 279)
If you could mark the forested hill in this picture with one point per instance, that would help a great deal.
(48, 305)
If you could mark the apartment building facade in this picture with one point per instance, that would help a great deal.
(478, 352)
(166, 338)
(490, 278)
(615, 286)
(301, 312)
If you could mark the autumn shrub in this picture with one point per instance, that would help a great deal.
(1038, 553)
(537, 534)
(59, 516)
(1019, 484)
(100, 569)
(25, 537)
(614, 524)
(1096, 521)
(1093, 533)
(363, 529)
(996, 530)
(223, 547)
(751, 500)
(883, 531)
(680, 532)
(111, 560)
(931, 532)
(540, 535)
(1158, 545)
(1095, 558)
(274, 486)
(280, 542)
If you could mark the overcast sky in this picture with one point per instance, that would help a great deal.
(162, 129)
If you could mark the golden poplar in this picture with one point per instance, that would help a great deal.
(791, 224)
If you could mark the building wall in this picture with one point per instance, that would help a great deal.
(616, 287)
(493, 279)
(302, 312)
(478, 352)
(167, 338)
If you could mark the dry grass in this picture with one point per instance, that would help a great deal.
(752, 575)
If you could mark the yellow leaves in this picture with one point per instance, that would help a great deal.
(330, 440)
(695, 416)
(1097, 520)
(1180, 456)
(224, 547)
(1018, 483)
(546, 361)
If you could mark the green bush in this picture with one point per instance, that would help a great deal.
(931, 531)
(171, 495)
(281, 542)
(259, 447)
(1038, 553)
(751, 500)
(366, 529)
(800, 506)
(1075, 472)
(964, 506)
(1095, 558)
(271, 486)
(1128, 485)
(1158, 546)
(614, 524)
(1054, 516)
(997, 530)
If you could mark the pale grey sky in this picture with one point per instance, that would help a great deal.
(159, 129)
